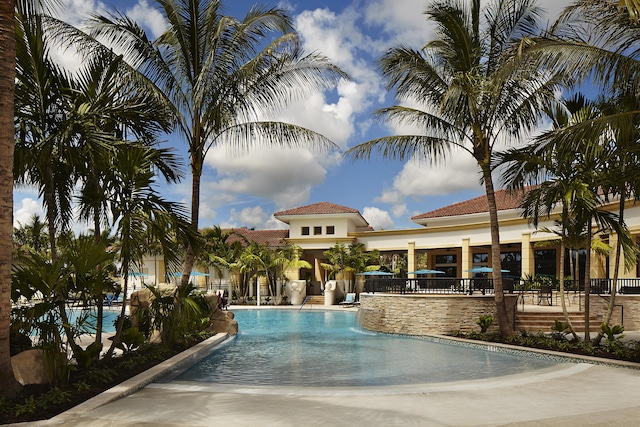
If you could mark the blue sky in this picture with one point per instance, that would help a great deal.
(246, 190)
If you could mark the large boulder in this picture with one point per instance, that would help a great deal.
(28, 367)
(223, 321)
(143, 298)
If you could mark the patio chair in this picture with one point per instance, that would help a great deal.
(349, 300)
(545, 293)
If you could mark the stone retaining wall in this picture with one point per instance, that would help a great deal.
(631, 304)
(428, 314)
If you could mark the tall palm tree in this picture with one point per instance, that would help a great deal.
(567, 171)
(108, 99)
(219, 73)
(465, 94)
(622, 180)
(44, 151)
(139, 212)
(10, 386)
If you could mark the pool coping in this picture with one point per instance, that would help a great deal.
(130, 386)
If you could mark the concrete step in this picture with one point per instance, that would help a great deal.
(315, 300)
(544, 321)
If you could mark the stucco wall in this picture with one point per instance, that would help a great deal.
(427, 314)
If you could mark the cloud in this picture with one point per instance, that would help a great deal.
(28, 208)
(377, 218)
(284, 176)
(402, 24)
(250, 217)
(149, 17)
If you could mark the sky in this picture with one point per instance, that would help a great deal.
(245, 190)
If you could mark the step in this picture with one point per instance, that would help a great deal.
(315, 300)
(544, 321)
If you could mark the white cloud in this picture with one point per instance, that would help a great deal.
(249, 217)
(149, 17)
(28, 208)
(377, 218)
(404, 23)
(284, 176)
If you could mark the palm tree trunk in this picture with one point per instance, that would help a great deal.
(51, 215)
(190, 258)
(562, 251)
(506, 327)
(587, 283)
(10, 386)
(616, 271)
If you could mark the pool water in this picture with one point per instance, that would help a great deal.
(326, 349)
(108, 317)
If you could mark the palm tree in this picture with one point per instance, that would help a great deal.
(44, 151)
(139, 212)
(217, 252)
(108, 100)
(10, 386)
(218, 73)
(31, 236)
(567, 171)
(465, 94)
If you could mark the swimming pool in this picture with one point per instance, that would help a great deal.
(326, 349)
(108, 317)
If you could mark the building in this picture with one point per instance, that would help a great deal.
(454, 239)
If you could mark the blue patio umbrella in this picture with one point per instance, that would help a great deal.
(374, 273)
(484, 270)
(426, 271)
(193, 273)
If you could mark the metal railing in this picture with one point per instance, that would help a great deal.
(484, 286)
(439, 285)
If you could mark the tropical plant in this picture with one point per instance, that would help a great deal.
(45, 150)
(219, 74)
(31, 236)
(464, 93)
(570, 172)
(218, 252)
(484, 322)
(140, 212)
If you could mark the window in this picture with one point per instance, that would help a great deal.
(317, 231)
(512, 261)
(481, 258)
(331, 229)
(305, 231)
(545, 262)
(447, 263)
(445, 259)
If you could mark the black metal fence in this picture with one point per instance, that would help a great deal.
(439, 285)
(484, 286)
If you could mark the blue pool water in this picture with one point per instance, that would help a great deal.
(108, 317)
(326, 349)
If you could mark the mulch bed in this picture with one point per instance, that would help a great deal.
(121, 367)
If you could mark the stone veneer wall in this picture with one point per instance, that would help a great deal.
(631, 304)
(428, 314)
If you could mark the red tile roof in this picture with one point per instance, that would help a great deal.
(273, 238)
(505, 200)
(320, 208)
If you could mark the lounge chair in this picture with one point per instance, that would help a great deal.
(349, 300)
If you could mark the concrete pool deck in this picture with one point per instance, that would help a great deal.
(578, 394)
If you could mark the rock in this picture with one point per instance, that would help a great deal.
(223, 321)
(28, 367)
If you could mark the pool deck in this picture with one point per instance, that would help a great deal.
(579, 394)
